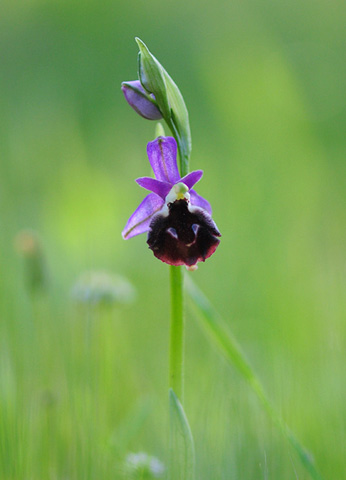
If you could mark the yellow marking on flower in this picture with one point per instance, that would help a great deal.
(180, 190)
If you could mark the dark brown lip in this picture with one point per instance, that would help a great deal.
(184, 236)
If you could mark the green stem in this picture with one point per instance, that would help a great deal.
(182, 457)
(176, 351)
(183, 159)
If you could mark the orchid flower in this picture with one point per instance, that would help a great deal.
(178, 220)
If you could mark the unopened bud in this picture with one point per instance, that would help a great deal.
(141, 101)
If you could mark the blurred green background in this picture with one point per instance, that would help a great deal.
(264, 82)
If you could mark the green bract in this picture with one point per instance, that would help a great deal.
(150, 74)
(156, 80)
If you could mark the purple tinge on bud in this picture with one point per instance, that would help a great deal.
(141, 101)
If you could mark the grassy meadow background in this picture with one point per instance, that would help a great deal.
(264, 83)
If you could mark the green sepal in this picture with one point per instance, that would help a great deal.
(151, 77)
(182, 449)
(180, 117)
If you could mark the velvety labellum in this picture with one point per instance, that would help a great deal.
(184, 235)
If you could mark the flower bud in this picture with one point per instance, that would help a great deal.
(141, 101)
(168, 97)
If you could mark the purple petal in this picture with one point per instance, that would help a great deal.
(140, 219)
(140, 100)
(198, 201)
(162, 154)
(191, 178)
(160, 188)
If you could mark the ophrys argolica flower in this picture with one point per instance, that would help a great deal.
(177, 219)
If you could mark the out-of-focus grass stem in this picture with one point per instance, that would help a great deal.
(218, 332)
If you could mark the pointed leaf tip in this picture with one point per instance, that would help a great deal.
(151, 76)
(182, 449)
(142, 46)
(139, 42)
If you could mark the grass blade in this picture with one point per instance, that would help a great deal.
(218, 332)
(182, 449)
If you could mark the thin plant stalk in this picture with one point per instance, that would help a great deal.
(176, 350)
(176, 347)
(183, 160)
(182, 449)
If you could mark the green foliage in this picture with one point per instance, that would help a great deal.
(264, 83)
(217, 332)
